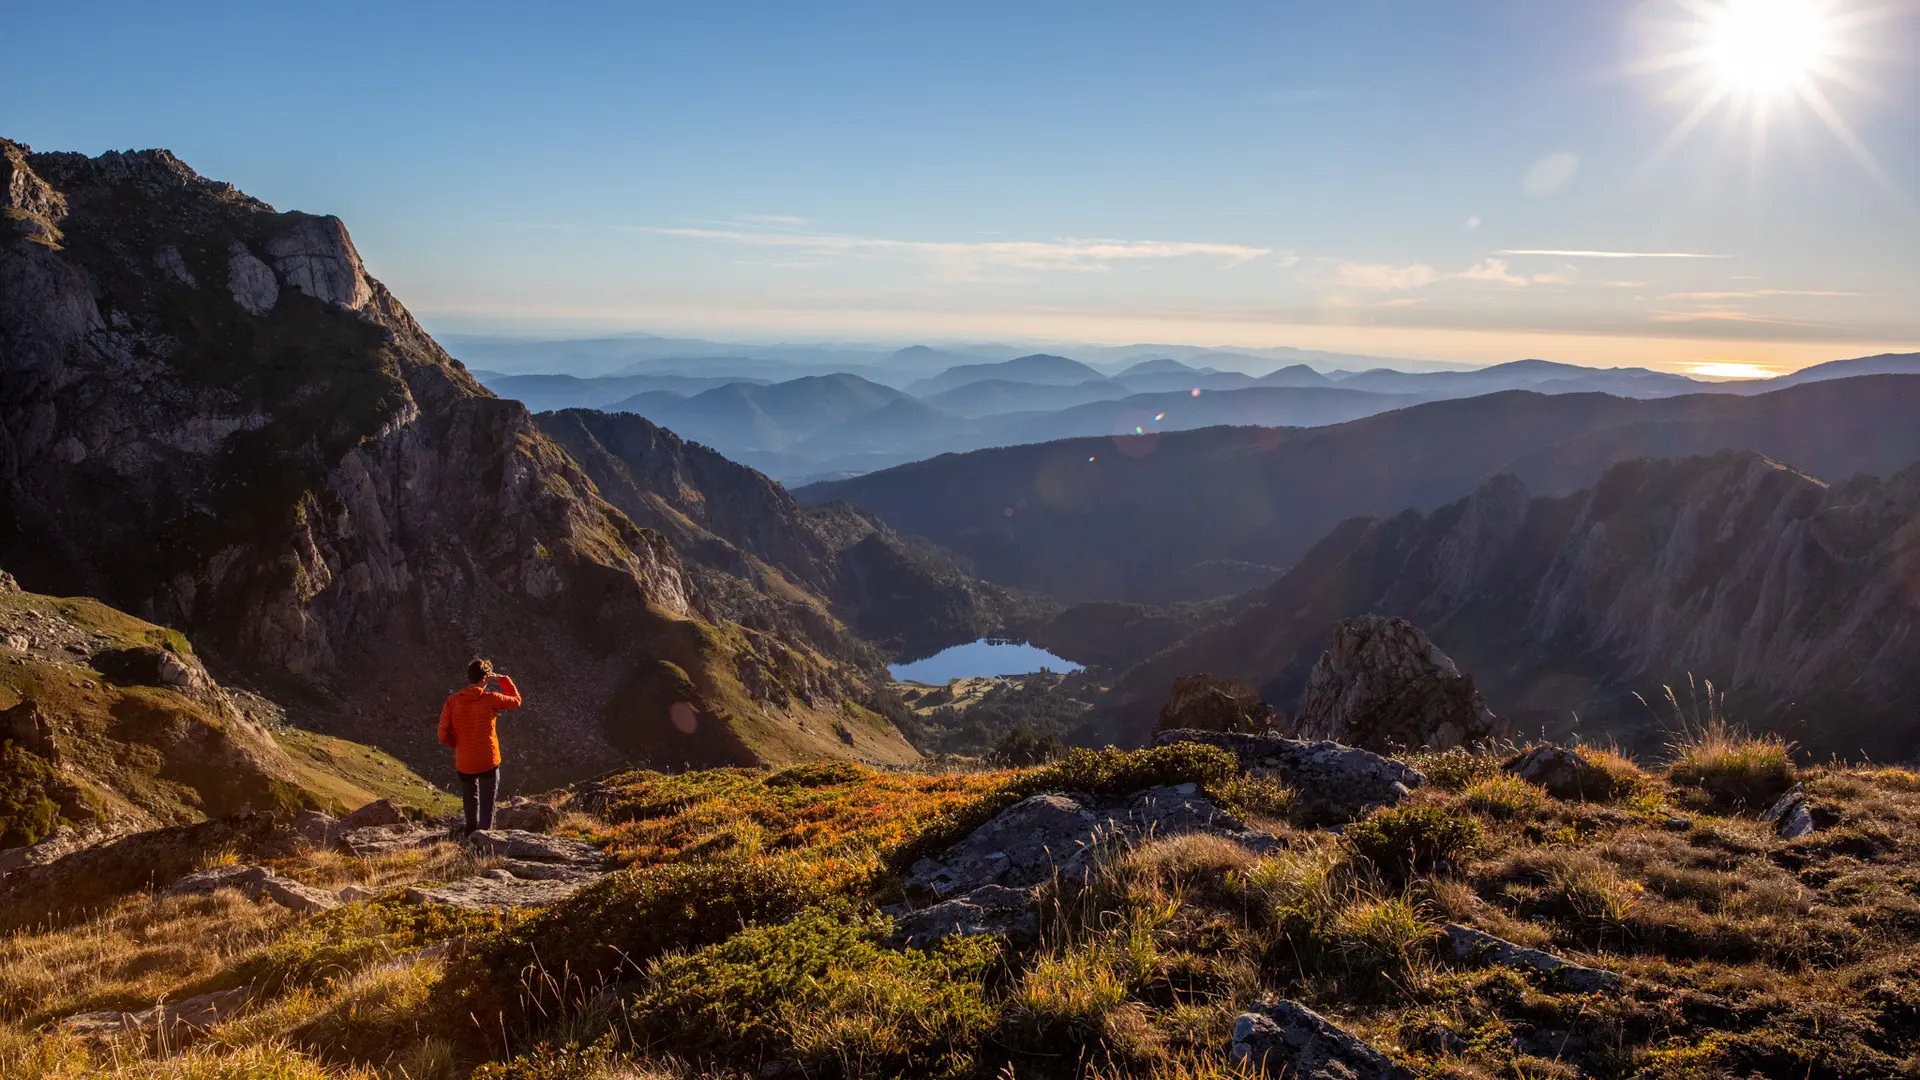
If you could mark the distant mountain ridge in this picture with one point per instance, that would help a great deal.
(1042, 369)
(1123, 517)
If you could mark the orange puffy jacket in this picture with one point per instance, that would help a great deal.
(466, 724)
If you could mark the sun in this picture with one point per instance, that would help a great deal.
(1763, 47)
(1760, 61)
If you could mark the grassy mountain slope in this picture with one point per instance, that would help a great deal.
(137, 734)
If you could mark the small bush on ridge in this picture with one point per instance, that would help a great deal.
(1404, 839)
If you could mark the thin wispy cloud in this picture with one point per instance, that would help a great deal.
(968, 260)
(786, 220)
(1725, 316)
(1748, 294)
(1580, 254)
(1383, 277)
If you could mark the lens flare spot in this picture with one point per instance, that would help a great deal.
(1196, 391)
(685, 720)
(1090, 459)
(1008, 512)
(1160, 416)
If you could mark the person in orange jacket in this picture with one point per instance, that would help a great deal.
(467, 725)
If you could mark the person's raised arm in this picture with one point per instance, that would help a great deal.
(508, 696)
(446, 722)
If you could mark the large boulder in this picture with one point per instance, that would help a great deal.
(1382, 685)
(1216, 703)
(1287, 1039)
(525, 815)
(377, 812)
(1562, 772)
(144, 665)
(1331, 783)
(28, 727)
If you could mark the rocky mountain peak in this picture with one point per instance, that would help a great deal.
(212, 416)
(1383, 684)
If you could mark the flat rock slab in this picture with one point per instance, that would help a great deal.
(174, 1018)
(1063, 834)
(376, 840)
(1287, 1039)
(537, 848)
(991, 910)
(256, 882)
(495, 889)
(1466, 943)
(1333, 783)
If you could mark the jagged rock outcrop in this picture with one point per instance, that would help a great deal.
(1287, 1039)
(1214, 703)
(347, 515)
(1331, 783)
(1383, 685)
(1791, 815)
(1788, 592)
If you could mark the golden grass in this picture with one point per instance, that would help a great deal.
(139, 952)
(1745, 954)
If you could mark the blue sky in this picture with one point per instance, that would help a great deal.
(1344, 175)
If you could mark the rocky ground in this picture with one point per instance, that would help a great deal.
(1225, 903)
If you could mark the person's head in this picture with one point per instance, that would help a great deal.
(479, 670)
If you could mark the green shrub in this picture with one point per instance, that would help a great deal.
(1257, 796)
(34, 797)
(821, 991)
(1098, 772)
(1505, 797)
(624, 921)
(1456, 769)
(1403, 839)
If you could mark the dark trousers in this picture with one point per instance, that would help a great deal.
(476, 797)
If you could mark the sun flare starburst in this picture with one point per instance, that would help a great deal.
(1755, 61)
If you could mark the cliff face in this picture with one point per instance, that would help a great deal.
(212, 416)
(1800, 600)
(769, 562)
